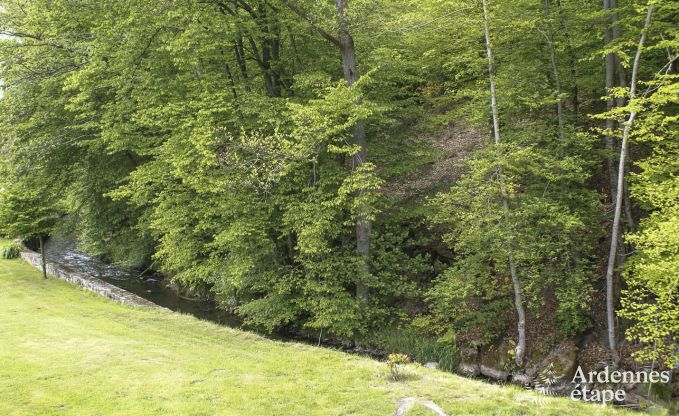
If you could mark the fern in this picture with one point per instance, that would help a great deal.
(546, 380)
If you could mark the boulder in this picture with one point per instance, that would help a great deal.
(493, 373)
(469, 353)
(468, 369)
(495, 360)
(522, 379)
(564, 360)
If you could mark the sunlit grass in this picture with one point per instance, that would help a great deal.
(64, 351)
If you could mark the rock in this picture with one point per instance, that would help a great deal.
(432, 364)
(469, 353)
(532, 371)
(468, 369)
(632, 399)
(495, 360)
(588, 340)
(522, 379)
(493, 373)
(563, 361)
(91, 283)
(407, 403)
(629, 386)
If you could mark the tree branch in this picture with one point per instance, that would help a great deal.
(301, 13)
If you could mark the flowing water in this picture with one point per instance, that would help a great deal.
(155, 288)
(152, 287)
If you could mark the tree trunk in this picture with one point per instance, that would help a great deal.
(351, 75)
(518, 303)
(626, 203)
(609, 36)
(571, 60)
(42, 258)
(620, 190)
(345, 43)
(240, 60)
(557, 79)
(610, 102)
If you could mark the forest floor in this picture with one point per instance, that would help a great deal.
(64, 351)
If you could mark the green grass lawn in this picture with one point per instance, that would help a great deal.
(64, 351)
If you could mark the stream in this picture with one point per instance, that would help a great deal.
(156, 288)
(152, 287)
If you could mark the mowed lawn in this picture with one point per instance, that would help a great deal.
(65, 351)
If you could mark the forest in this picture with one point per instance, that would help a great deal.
(481, 183)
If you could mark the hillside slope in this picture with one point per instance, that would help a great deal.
(64, 351)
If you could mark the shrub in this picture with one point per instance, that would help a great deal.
(11, 251)
(396, 362)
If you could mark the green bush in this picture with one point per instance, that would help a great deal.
(421, 348)
(11, 251)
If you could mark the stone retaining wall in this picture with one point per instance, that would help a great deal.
(93, 284)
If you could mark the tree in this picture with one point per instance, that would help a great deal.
(620, 187)
(223, 143)
(345, 43)
(650, 300)
(520, 348)
(28, 210)
(524, 196)
(351, 76)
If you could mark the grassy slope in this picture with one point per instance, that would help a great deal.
(64, 351)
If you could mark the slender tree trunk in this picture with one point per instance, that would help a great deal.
(295, 51)
(520, 312)
(610, 102)
(351, 75)
(571, 60)
(627, 203)
(232, 83)
(611, 63)
(557, 79)
(42, 258)
(345, 43)
(620, 187)
(559, 103)
(240, 59)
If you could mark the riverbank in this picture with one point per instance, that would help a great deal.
(66, 351)
(93, 284)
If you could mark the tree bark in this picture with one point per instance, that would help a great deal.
(627, 202)
(345, 42)
(351, 75)
(549, 36)
(620, 190)
(520, 349)
(610, 102)
(42, 258)
(240, 60)
(571, 59)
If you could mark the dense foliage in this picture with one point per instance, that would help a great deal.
(328, 167)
